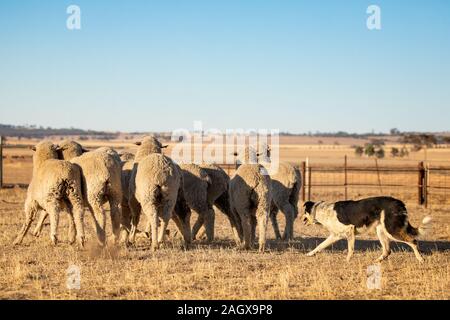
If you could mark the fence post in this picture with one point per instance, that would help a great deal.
(421, 183)
(345, 177)
(1, 162)
(303, 177)
(378, 175)
(309, 182)
(425, 185)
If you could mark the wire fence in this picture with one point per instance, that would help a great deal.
(423, 184)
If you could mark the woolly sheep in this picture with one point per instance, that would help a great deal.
(154, 185)
(250, 199)
(147, 146)
(286, 184)
(195, 187)
(101, 181)
(218, 196)
(55, 187)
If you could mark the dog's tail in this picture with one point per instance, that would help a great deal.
(426, 226)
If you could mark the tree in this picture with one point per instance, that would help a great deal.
(394, 132)
(420, 141)
(404, 152)
(369, 150)
(359, 151)
(379, 153)
(395, 152)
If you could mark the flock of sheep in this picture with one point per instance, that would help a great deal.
(67, 178)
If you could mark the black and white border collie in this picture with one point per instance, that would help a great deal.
(345, 219)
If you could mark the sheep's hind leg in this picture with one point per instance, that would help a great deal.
(98, 215)
(53, 208)
(247, 231)
(289, 213)
(40, 223)
(253, 225)
(116, 214)
(273, 219)
(184, 228)
(236, 226)
(125, 223)
(198, 226)
(151, 212)
(30, 212)
(77, 209)
(135, 209)
(166, 214)
(209, 224)
(261, 218)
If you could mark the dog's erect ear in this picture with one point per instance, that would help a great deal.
(308, 205)
(138, 143)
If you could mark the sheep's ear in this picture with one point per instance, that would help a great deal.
(84, 150)
(163, 147)
(33, 148)
(138, 143)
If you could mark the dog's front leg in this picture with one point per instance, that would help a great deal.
(327, 242)
(350, 244)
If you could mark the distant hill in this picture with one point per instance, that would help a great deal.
(40, 132)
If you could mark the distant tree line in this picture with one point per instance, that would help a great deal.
(41, 132)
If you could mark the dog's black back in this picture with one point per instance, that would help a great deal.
(363, 213)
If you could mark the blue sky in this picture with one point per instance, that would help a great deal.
(292, 65)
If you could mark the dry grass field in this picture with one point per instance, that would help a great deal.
(37, 270)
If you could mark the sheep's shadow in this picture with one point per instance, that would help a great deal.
(308, 244)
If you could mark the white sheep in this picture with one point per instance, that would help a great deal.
(55, 187)
(147, 146)
(250, 199)
(218, 196)
(286, 184)
(101, 181)
(154, 185)
(195, 187)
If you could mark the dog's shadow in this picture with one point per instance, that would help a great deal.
(308, 244)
